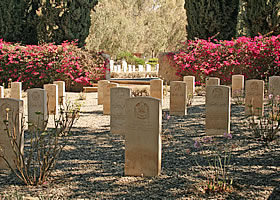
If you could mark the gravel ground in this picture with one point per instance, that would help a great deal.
(92, 164)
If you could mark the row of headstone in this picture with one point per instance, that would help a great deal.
(40, 103)
(124, 67)
(139, 120)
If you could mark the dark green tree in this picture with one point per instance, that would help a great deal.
(261, 17)
(207, 18)
(17, 21)
(62, 20)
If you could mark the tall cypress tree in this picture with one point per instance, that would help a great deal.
(261, 17)
(65, 20)
(208, 18)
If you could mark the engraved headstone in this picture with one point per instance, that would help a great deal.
(237, 85)
(37, 103)
(217, 110)
(190, 80)
(143, 136)
(52, 98)
(178, 98)
(100, 89)
(111, 65)
(16, 88)
(156, 89)
(274, 85)
(212, 81)
(254, 94)
(129, 68)
(148, 68)
(1, 92)
(106, 97)
(61, 91)
(133, 68)
(118, 96)
(14, 109)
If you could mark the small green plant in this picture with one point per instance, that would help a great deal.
(267, 127)
(217, 153)
(35, 165)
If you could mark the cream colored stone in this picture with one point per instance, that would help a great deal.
(14, 107)
(61, 92)
(156, 89)
(16, 88)
(190, 80)
(274, 85)
(178, 98)
(100, 90)
(237, 85)
(212, 81)
(143, 136)
(37, 102)
(118, 96)
(254, 94)
(217, 110)
(52, 98)
(106, 97)
(1, 92)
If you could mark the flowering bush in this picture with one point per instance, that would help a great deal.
(257, 57)
(35, 65)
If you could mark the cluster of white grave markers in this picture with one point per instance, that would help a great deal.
(126, 68)
(40, 103)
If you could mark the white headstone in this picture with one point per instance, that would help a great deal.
(217, 110)
(143, 136)
(37, 103)
(61, 91)
(118, 96)
(149, 68)
(14, 108)
(16, 88)
(1, 92)
(141, 68)
(52, 98)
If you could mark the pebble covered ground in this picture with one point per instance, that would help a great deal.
(92, 164)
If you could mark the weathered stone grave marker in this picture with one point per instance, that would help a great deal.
(143, 136)
(178, 98)
(14, 107)
(118, 96)
(274, 85)
(217, 110)
(156, 89)
(190, 80)
(106, 97)
(37, 102)
(1, 92)
(237, 85)
(212, 81)
(52, 98)
(254, 94)
(100, 90)
(16, 88)
(61, 92)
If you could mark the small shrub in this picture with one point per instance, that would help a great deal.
(267, 127)
(217, 153)
(34, 166)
